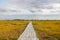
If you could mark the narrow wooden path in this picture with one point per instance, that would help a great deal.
(29, 33)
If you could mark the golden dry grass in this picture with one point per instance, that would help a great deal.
(45, 29)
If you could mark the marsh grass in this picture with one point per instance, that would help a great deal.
(45, 29)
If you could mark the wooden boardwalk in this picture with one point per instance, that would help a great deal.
(29, 33)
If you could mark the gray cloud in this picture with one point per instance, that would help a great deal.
(33, 3)
(38, 8)
(30, 17)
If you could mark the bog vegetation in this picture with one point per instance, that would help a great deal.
(45, 29)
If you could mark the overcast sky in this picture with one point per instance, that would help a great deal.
(43, 8)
